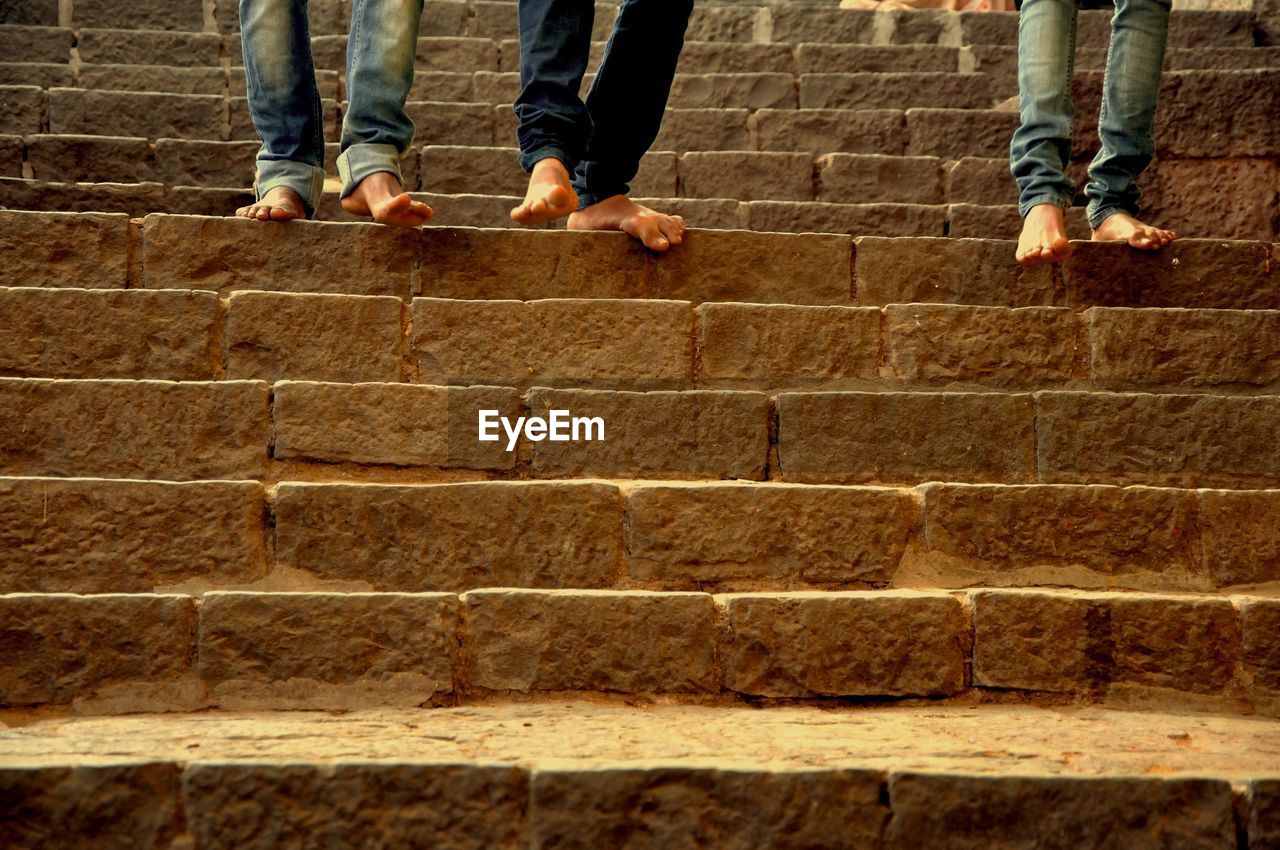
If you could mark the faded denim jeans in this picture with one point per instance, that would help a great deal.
(601, 141)
(285, 102)
(1041, 147)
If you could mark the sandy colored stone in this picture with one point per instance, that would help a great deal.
(954, 133)
(1192, 273)
(956, 271)
(145, 114)
(185, 15)
(905, 438)
(932, 811)
(205, 163)
(322, 650)
(823, 58)
(12, 149)
(723, 23)
(933, 26)
(58, 648)
(356, 259)
(868, 178)
(1260, 624)
(133, 429)
(163, 334)
(130, 46)
(42, 13)
(747, 176)
(978, 180)
(631, 344)
(1100, 537)
(151, 78)
(759, 346)
(481, 171)
(89, 159)
(709, 57)
(396, 424)
(1162, 440)
(452, 85)
(627, 642)
(24, 110)
(879, 643)
(695, 434)
(35, 41)
(720, 90)
(1038, 641)
(818, 131)
(289, 807)
(132, 199)
(706, 129)
(854, 219)
(1241, 536)
(946, 345)
(950, 90)
(455, 124)
(35, 249)
(46, 75)
(804, 23)
(662, 807)
(1182, 644)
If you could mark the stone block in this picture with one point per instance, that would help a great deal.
(853, 219)
(454, 169)
(804, 23)
(710, 57)
(949, 90)
(824, 58)
(24, 110)
(184, 15)
(1212, 113)
(150, 47)
(1033, 641)
(978, 180)
(1191, 273)
(723, 23)
(1241, 536)
(863, 179)
(818, 131)
(12, 149)
(46, 75)
(1228, 198)
(453, 124)
(154, 78)
(1260, 623)
(90, 159)
(44, 42)
(705, 130)
(1175, 643)
(747, 176)
(719, 90)
(42, 13)
(143, 114)
(951, 271)
(33, 249)
(189, 162)
(955, 133)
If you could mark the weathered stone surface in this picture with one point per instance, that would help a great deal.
(862, 179)
(820, 58)
(878, 643)
(272, 336)
(627, 642)
(1164, 440)
(696, 434)
(144, 47)
(734, 91)
(460, 87)
(267, 806)
(11, 153)
(153, 78)
(133, 429)
(933, 26)
(1191, 273)
(818, 131)
(705, 130)
(484, 171)
(705, 57)
(1135, 537)
(64, 249)
(905, 438)
(452, 537)
(46, 75)
(747, 176)
(954, 271)
(686, 807)
(1174, 642)
(108, 806)
(322, 650)
(723, 23)
(58, 648)
(1264, 814)
(40, 43)
(90, 159)
(42, 13)
(1058, 813)
(395, 424)
(757, 268)
(951, 90)
(804, 23)
(455, 124)
(23, 109)
(1228, 198)
(1241, 536)
(1212, 113)
(1260, 623)
(610, 344)
(1039, 642)
(946, 345)
(955, 133)
(184, 15)
(302, 257)
(132, 199)
(681, 536)
(853, 219)
(187, 162)
(978, 180)
(165, 335)
(144, 114)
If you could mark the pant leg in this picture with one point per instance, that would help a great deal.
(629, 96)
(555, 44)
(381, 48)
(1041, 146)
(283, 99)
(1130, 90)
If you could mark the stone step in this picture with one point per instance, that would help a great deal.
(662, 776)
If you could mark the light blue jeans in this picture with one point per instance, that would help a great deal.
(285, 102)
(1041, 147)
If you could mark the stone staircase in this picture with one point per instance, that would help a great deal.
(889, 543)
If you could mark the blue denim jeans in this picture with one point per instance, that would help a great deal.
(601, 141)
(285, 103)
(1041, 148)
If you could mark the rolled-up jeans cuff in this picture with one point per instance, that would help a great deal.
(1059, 201)
(307, 180)
(359, 161)
(528, 159)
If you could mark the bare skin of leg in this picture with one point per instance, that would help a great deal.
(657, 231)
(1044, 236)
(381, 196)
(550, 194)
(280, 204)
(1122, 227)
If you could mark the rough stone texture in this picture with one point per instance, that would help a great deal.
(110, 806)
(154, 78)
(89, 159)
(1230, 198)
(681, 536)
(853, 219)
(955, 133)
(452, 537)
(133, 429)
(144, 114)
(23, 109)
(1209, 113)
(817, 131)
(1173, 349)
(1165, 440)
(46, 75)
(133, 199)
(1039, 642)
(696, 434)
(705, 130)
(454, 169)
(629, 344)
(303, 257)
(325, 17)
(720, 90)
(43, 42)
(58, 648)
(753, 346)
(165, 335)
(455, 123)
(184, 162)
(722, 23)
(709, 57)
(272, 336)
(1260, 623)
(1099, 537)
(804, 23)
(905, 438)
(944, 345)
(1264, 815)
(321, 650)
(747, 176)
(11, 153)
(394, 424)
(955, 271)
(861, 179)
(42, 13)
(757, 268)
(289, 807)
(1190, 273)
(978, 180)
(185, 15)
(1181, 644)
(879, 643)
(1058, 813)
(950, 90)
(933, 26)
(662, 808)
(140, 47)
(632, 642)
(821, 58)
(1241, 536)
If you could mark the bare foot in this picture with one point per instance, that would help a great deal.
(380, 195)
(550, 195)
(657, 231)
(1044, 236)
(1122, 227)
(280, 204)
